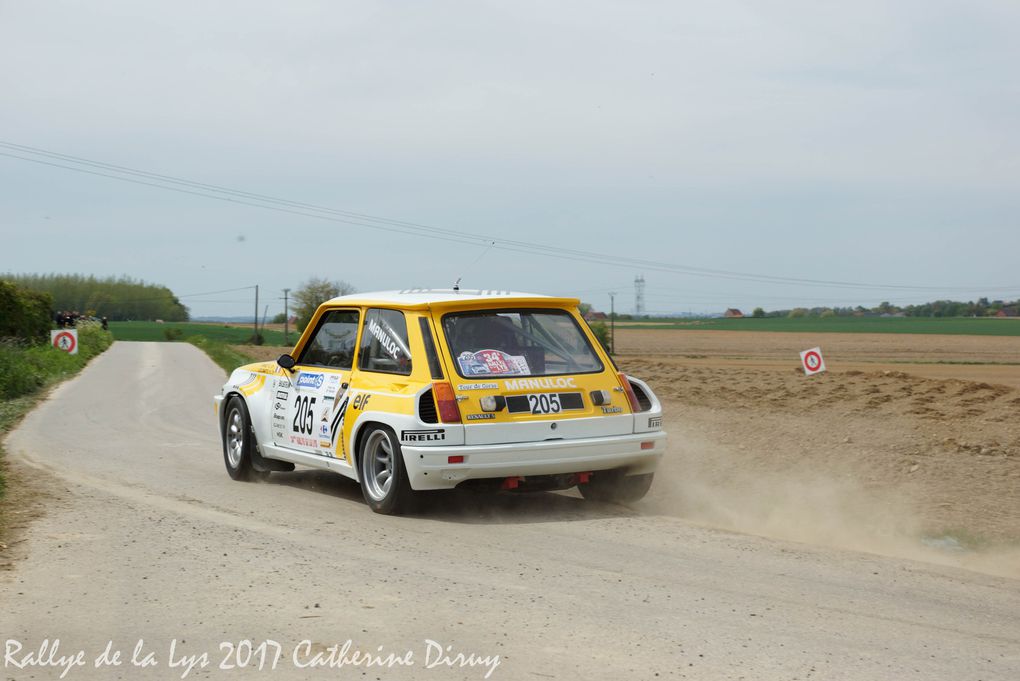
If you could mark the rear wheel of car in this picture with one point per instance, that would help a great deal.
(615, 487)
(384, 482)
(238, 441)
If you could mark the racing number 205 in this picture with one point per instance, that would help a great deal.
(545, 403)
(303, 418)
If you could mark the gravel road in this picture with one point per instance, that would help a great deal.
(146, 539)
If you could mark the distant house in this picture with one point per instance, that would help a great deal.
(733, 313)
(1007, 312)
(593, 316)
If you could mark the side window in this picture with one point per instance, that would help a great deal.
(332, 344)
(384, 345)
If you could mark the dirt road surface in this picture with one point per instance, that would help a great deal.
(145, 537)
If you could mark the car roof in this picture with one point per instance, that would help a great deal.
(422, 298)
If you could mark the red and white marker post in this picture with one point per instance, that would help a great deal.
(66, 340)
(812, 361)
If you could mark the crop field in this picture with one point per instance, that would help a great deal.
(225, 333)
(954, 326)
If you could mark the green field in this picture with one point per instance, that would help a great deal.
(152, 331)
(955, 326)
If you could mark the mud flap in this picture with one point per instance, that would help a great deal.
(264, 465)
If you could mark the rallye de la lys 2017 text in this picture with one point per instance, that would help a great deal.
(262, 656)
(424, 389)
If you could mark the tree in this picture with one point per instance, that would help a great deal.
(885, 307)
(601, 332)
(758, 313)
(24, 314)
(313, 293)
(279, 318)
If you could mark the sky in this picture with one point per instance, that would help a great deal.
(868, 150)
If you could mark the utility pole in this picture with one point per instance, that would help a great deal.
(639, 295)
(256, 338)
(612, 323)
(286, 292)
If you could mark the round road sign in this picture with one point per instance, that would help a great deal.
(66, 341)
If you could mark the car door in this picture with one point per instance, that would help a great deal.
(313, 408)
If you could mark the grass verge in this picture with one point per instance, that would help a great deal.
(221, 352)
(170, 331)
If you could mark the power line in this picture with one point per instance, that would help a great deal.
(267, 202)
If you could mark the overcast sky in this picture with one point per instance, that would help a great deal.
(866, 141)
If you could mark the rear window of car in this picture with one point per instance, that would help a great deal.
(518, 343)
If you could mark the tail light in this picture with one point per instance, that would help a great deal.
(635, 406)
(446, 402)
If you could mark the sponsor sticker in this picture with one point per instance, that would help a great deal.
(540, 383)
(385, 341)
(304, 441)
(492, 362)
(478, 386)
(480, 417)
(433, 435)
(612, 410)
(310, 381)
(361, 401)
(329, 385)
(282, 395)
(655, 422)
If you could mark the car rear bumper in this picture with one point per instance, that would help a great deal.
(429, 467)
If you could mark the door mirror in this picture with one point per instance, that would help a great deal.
(286, 361)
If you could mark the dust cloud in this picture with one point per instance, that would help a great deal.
(715, 486)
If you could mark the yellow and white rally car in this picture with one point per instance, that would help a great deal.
(429, 389)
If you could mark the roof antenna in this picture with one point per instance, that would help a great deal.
(456, 284)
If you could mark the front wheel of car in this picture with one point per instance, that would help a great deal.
(238, 441)
(615, 487)
(384, 482)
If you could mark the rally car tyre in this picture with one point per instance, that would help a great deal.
(384, 482)
(615, 487)
(238, 441)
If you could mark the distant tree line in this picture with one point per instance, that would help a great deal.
(116, 298)
(982, 307)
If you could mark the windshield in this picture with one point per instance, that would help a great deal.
(518, 343)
